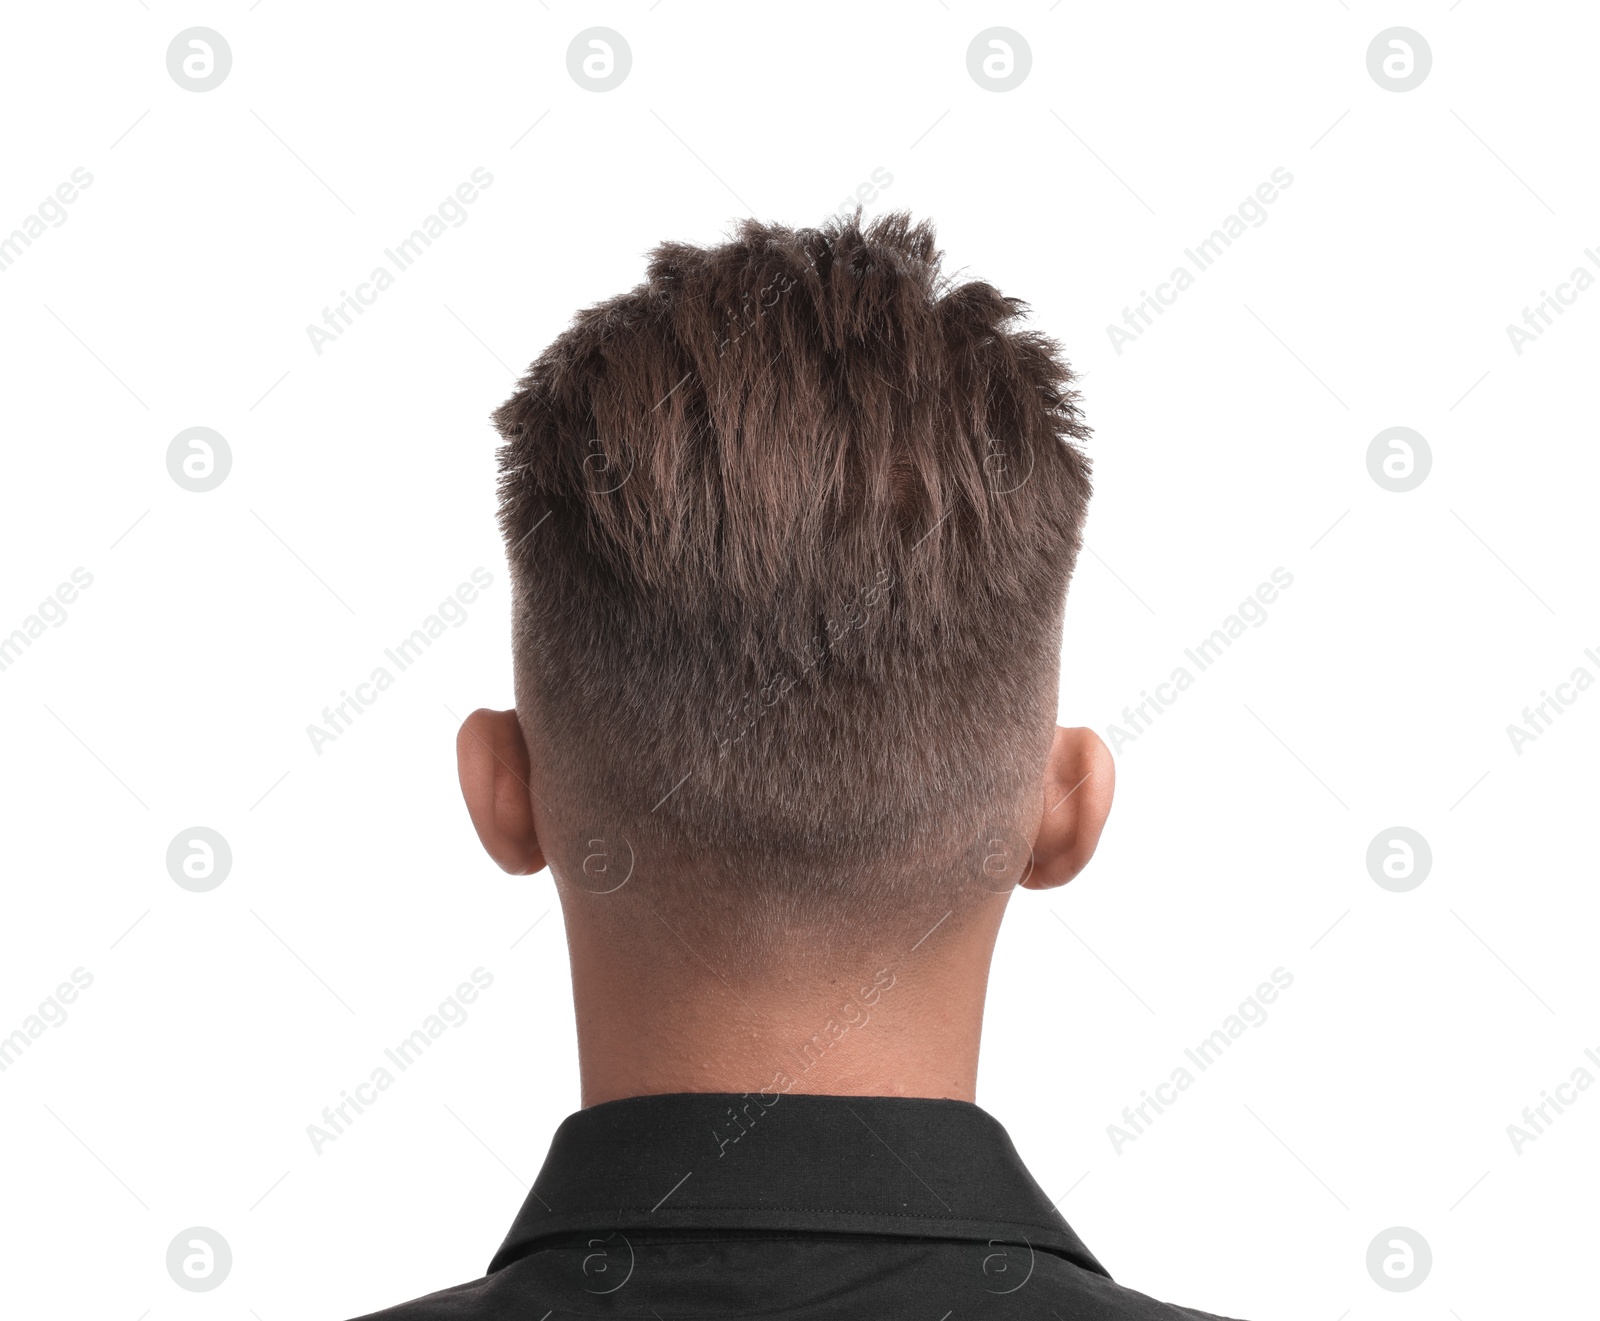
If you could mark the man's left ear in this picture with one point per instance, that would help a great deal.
(1078, 782)
(492, 759)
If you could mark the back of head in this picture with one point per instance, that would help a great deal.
(790, 527)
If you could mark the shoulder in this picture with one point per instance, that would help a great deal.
(801, 1279)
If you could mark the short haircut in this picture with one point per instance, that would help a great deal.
(790, 527)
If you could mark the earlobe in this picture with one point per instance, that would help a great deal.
(1078, 782)
(493, 764)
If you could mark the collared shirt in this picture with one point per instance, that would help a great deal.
(781, 1205)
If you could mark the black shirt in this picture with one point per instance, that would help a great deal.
(769, 1205)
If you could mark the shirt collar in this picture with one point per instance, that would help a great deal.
(899, 1166)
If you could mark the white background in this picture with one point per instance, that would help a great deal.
(1230, 440)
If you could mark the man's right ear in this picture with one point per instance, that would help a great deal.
(1078, 782)
(492, 760)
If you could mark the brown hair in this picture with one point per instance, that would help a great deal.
(790, 526)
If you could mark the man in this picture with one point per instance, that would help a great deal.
(790, 527)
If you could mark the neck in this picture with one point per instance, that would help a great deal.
(885, 1023)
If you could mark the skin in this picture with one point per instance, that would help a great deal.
(655, 1014)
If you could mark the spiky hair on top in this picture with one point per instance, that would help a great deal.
(790, 526)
